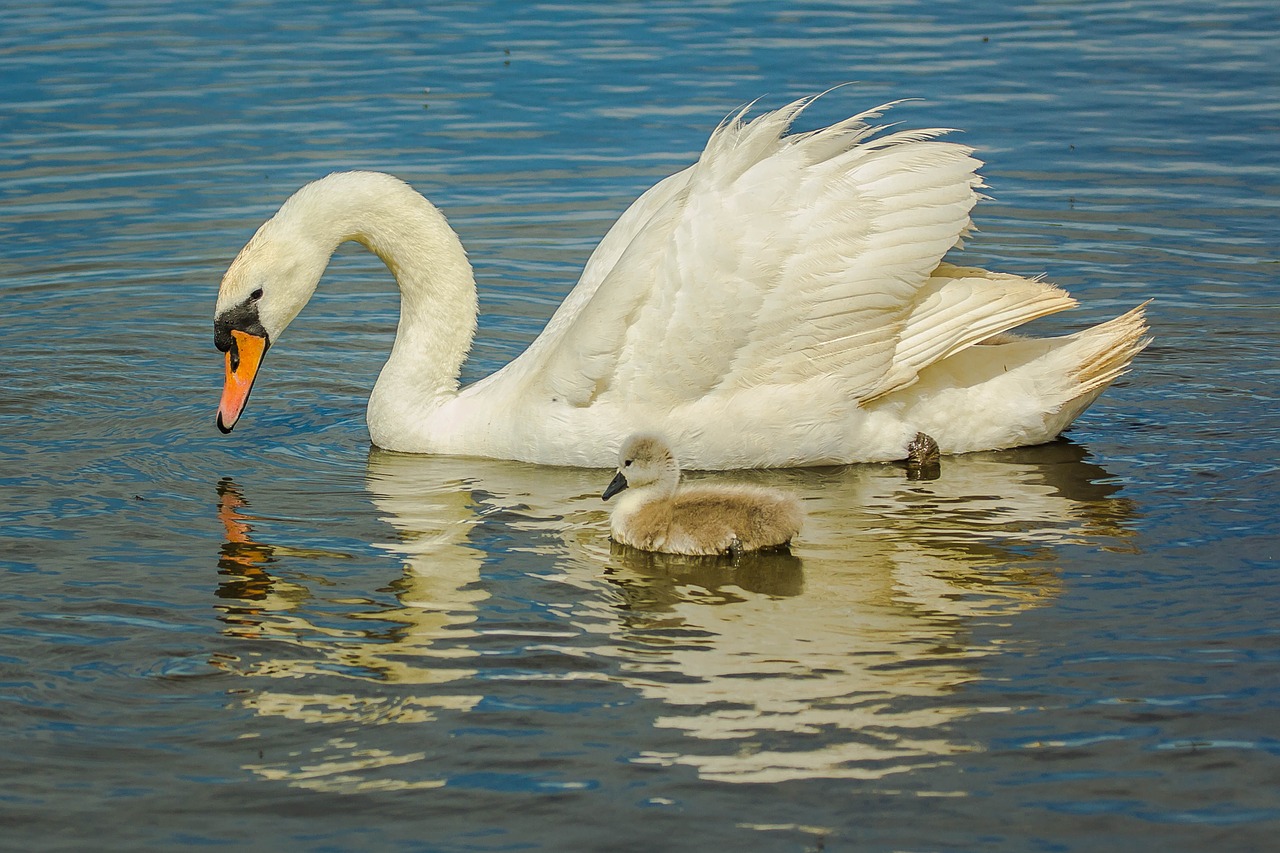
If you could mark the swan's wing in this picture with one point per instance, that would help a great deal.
(634, 220)
(962, 306)
(774, 259)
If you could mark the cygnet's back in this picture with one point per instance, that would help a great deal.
(657, 515)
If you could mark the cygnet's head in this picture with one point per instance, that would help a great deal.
(644, 459)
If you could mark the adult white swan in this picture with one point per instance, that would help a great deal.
(781, 302)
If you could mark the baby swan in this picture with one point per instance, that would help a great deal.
(658, 515)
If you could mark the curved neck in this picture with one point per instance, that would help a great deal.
(437, 290)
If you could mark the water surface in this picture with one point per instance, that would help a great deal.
(284, 639)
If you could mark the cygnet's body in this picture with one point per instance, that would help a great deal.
(656, 514)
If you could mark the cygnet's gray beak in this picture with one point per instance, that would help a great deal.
(617, 484)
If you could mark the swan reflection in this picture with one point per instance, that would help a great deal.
(842, 658)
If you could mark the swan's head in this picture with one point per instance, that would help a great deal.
(263, 290)
(643, 460)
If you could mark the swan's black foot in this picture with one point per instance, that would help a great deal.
(735, 549)
(924, 460)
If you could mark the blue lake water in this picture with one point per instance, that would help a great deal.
(284, 639)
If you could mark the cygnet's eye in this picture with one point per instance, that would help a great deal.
(626, 464)
(256, 295)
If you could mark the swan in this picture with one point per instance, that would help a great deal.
(656, 514)
(781, 302)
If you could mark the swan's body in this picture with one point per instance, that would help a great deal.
(656, 513)
(781, 302)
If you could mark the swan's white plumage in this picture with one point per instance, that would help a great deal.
(798, 255)
(962, 306)
(783, 301)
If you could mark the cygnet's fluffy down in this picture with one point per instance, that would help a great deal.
(656, 514)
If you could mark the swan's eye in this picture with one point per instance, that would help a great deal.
(627, 464)
(256, 295)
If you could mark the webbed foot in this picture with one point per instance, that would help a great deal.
(924, 460)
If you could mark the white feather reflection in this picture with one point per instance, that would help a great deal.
(837, 670)
(839, 660)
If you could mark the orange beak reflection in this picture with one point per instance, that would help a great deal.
(243, 361)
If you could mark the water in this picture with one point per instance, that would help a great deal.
(282, 639)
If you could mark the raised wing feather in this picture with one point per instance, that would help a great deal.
(774, 259)
(962, 306)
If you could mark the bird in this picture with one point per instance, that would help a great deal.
(658, 514)
(792, 284)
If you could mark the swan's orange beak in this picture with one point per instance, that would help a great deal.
(243, 360)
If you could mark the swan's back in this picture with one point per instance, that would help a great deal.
(754, 518)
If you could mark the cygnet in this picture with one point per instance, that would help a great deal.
(656, 514)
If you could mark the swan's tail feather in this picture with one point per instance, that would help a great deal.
(1111, 348)
(1012, 391)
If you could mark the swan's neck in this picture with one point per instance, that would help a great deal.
(662, 488)
(437, 293)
